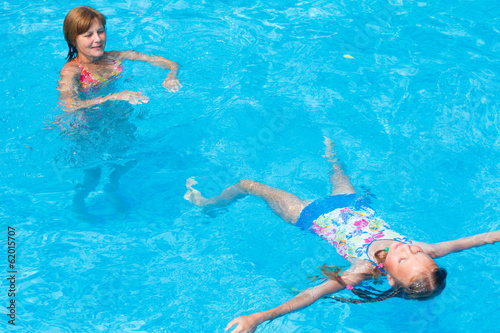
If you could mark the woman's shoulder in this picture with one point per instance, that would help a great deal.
(70, 68)
(117, 55)
(125, 55)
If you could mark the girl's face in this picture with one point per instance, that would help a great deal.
(90, 45)
(404, 262)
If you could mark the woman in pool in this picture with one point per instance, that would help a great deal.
(96, 118)
(89, 66)
(366, 241)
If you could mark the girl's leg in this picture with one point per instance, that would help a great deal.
(286, 205)
(341, 183)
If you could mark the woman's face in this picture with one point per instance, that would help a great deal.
(404, 262)
(90, 45)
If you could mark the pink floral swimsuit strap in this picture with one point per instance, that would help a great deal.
(89, 80)
(352, 231)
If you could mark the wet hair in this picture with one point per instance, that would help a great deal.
(77, 22)
(420, 288)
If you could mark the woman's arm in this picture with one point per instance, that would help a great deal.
(248, 324)
(441, 249)
(171, 83)
(153, 60)
(68, 92)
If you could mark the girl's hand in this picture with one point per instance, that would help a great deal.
(492, 237)
(171, 83)
(246, 324)
(133, 97)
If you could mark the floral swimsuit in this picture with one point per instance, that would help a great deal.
(350, 228)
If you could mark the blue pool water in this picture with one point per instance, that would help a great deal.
(413, 114)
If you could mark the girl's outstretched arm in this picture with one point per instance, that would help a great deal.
(248, 324)
(441, 249)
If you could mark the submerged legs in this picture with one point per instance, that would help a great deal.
(90, 182)
(111, 188)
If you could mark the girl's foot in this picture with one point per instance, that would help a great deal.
(192, 195)
(329, 152)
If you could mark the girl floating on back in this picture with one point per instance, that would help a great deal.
(348, 223)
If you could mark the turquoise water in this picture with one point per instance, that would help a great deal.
(414, 117)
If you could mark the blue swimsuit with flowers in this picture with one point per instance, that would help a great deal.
(348, 223)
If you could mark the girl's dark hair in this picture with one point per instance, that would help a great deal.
(77, 22)
(422, 288)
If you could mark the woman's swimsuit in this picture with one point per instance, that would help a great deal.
(90, 81)
(349, 224)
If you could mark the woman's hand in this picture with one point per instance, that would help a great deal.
(246, 324)
(171, 83)
(133, 97)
